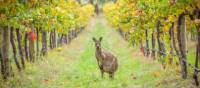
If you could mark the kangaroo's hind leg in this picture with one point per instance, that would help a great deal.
(111, 75)
(102, 73)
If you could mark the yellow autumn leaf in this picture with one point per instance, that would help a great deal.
(156, 74)
(166, 28)
(171, 18)
(2, 15)
(59, 30)
(29, 29)
(198, 3)
(197, 21)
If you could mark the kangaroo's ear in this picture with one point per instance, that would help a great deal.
(94, 39)
(100, 38)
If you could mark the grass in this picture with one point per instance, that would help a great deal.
(75, 66)
(84, 72)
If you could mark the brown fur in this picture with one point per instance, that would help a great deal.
(107, 62)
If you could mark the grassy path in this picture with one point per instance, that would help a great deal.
(75, 66)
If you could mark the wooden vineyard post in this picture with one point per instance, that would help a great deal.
(153, 54)
(181, 35)
(147, 44)
(20, 47)
(12, 38)
(6, 66)
(44, 42)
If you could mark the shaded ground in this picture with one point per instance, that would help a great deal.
(75, 66)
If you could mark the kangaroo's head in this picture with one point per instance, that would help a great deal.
(97, 43)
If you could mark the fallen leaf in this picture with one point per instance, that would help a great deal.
(156, 74)
(45, 80)
(133, 77)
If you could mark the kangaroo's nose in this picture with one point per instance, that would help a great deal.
(97, 45)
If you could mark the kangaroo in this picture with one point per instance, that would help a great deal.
(107, 62)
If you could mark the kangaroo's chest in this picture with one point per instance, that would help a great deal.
(100, 57)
